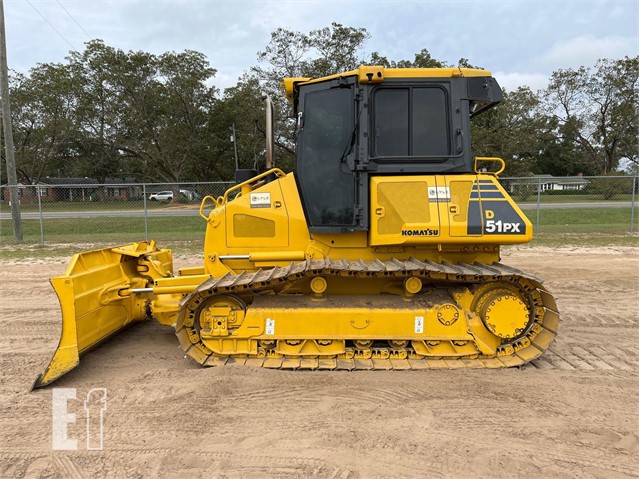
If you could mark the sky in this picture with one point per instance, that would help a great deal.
(520, 42)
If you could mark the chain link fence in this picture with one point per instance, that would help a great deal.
(577, 205)
(76, 212)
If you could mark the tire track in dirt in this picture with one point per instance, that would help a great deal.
(586, 357)
(68, 464)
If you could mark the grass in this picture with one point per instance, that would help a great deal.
(584, 227)
(583, 221)
(106, 229)
(532, 199)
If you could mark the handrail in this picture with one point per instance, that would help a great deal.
(216, 202)
(491, 159)
(249, 181)
(221, 200)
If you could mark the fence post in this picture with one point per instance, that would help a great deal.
(538, 202)
(632, 205)
(146, 218)
(38, 191)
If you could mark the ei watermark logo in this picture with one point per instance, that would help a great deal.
(65, 407)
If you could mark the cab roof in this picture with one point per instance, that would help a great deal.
(377, 74)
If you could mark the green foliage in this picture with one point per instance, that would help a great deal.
(571, 193)
(109, 113)
(321, 52)
(594, 112)
(423, 59)
(584, 122)
(43, 106)
(511, 131)
(608, 188)
(242, 106)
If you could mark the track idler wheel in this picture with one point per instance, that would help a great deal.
(218, 315)
(504, 310)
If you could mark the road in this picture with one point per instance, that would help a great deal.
(194, 212)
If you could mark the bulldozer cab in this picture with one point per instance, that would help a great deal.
(376, 121)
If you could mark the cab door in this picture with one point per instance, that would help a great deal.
(325, 140)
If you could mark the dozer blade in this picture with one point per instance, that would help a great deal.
(96, 299)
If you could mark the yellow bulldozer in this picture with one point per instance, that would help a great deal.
(380, 251)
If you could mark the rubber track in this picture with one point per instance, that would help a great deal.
(531, 346)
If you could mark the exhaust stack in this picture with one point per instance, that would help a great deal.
(270, 162)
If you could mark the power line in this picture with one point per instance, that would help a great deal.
(49, 23)
(76, 22)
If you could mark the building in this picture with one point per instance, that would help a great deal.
(545, 183)
(78, 189)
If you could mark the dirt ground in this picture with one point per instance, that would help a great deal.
(575, 413)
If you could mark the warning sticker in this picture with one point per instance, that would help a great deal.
(419, 324)
(270, 326)
(260, 200)
(439, 194)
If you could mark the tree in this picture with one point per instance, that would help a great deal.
(150, 108)
(110, 113)
(513, 130)
(598, 110)
(319, 53)
(241, 106)
(561, 154)
(174, 110)
(142, 113)
(100, 115)
(336, 50)
(43, 108)
(423, 59)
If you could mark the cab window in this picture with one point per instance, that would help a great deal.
(411, 121)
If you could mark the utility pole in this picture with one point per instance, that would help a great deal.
(12, 179)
